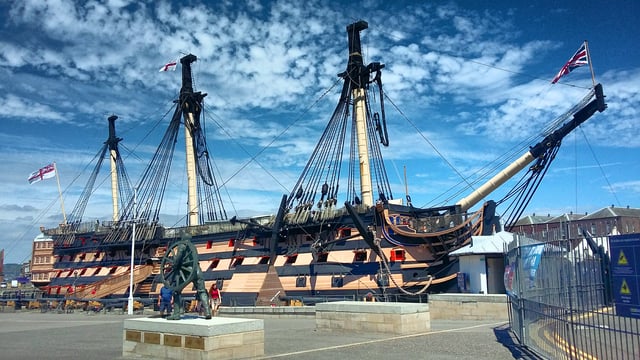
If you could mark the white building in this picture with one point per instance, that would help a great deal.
(482, 264)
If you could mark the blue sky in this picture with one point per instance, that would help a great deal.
(471, 78)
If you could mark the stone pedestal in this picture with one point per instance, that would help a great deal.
(388, 318)
(469, 307)
(196, 338)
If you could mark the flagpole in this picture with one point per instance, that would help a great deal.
(593, 76)
(64, 215)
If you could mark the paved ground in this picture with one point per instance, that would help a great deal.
(34, 335)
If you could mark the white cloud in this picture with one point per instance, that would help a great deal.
(466, 79)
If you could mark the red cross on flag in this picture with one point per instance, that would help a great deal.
(46, 172)
(171, 65)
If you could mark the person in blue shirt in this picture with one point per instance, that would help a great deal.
(165, 301)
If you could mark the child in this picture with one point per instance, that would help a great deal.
(165, 301)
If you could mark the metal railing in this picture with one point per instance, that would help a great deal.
(561, 305)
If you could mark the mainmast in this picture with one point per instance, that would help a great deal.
(190, 103)
(112, 143)
(358, 75)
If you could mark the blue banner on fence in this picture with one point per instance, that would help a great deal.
(531, 260)
(625, 274)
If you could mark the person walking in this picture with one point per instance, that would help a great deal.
(215, 298)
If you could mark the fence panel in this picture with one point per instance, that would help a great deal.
(561, 305)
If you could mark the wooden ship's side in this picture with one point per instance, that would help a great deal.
(313, 248)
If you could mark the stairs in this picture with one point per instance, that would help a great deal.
(146, 286)
(116, 283)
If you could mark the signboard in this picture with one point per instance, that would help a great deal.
(625, 273)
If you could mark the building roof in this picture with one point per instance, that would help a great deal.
(486, 244)
(566, 217)
(42, 237)
(604, 213)
(613, 211)
(532, 219)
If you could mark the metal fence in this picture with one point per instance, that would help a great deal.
(561, 304)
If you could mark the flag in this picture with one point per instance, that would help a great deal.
(578, 59)
(171, 65)
(46, 172)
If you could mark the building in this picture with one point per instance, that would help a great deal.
(602, 223)
(482, 261)
(482, 264)
(41, 260)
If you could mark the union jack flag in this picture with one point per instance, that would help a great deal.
(578, 59)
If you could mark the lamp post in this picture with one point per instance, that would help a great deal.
(133, 248)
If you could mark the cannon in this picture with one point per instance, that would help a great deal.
(179, 268)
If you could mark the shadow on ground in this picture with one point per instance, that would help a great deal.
(505, 337)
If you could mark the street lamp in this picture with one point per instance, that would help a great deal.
(133, 248)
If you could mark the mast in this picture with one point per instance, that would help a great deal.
(64, 214)
(112, 142)
(358, 75)
(190, 103)
(552, 140)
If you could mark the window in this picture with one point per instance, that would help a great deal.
(264, 260)
(214, 264)
(359, 255)
(397, 255)
(344, 232)
(322, 257)
(237, 261)
(291, 259)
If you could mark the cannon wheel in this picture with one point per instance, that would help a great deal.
(178, 266)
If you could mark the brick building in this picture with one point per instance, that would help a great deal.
(41, 260)
(607, 221)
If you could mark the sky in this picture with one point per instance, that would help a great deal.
(466, 82)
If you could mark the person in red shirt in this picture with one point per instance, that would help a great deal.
(215, 298)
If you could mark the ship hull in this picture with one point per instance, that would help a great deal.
(317, 257)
